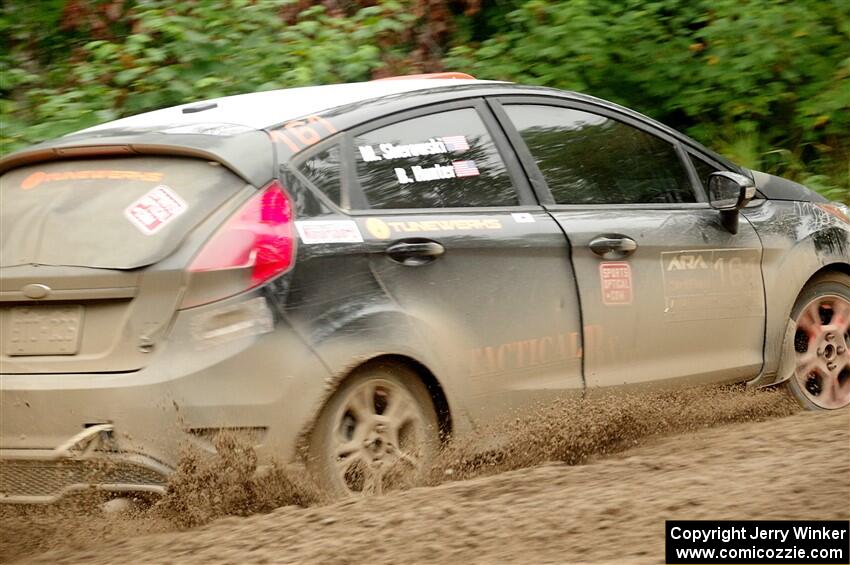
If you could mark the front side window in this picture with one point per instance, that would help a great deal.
(441, 160)
(591, 159)
(703, 170)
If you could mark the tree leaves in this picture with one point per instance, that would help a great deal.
(775, 74)
(721, 70)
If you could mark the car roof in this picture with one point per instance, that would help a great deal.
(260, 110)
(232, 124)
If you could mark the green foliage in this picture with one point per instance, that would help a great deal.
(765, 81)
(176, 52)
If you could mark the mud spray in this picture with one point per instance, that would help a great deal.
(574, 430)
(207, 487)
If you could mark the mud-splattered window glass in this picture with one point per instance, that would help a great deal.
(590, 159)
(441, 160)
(323, 170)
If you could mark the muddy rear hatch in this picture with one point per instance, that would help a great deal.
(82, 286)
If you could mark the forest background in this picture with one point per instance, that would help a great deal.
(766, 82)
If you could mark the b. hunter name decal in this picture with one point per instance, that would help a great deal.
(456, 169)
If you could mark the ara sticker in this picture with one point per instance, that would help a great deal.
(522, 217)
(154, 210)
(328, 231)
(616, 283)
(712, 284)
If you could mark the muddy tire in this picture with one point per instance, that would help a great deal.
(378, 432)
(821, 379)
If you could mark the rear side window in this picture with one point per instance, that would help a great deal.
(591, 159)
(441, 160)
(323, 170)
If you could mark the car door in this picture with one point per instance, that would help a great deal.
(455, 236)
(666, 291)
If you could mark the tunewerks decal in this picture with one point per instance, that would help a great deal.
(384, 229)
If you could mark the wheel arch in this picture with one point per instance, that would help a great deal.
(837, 267)
(440, 400)
(784, 366)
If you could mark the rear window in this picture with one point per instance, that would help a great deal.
(107, 213)
(441, 160)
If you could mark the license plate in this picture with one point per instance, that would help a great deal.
(44, 330)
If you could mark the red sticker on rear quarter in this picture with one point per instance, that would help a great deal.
(615, 279)
(154, 210)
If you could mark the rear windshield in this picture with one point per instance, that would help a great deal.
(107, 213)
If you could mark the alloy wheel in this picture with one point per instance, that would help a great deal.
(378, 439)
(822, 346)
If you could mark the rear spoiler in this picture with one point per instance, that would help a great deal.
(250, 154)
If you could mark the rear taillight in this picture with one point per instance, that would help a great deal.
(253, 246)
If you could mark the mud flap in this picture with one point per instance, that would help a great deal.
(787, 360)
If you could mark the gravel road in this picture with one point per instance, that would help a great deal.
(610, 509)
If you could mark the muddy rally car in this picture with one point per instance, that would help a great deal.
(346, 276)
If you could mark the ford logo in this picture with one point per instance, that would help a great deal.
(36, 291)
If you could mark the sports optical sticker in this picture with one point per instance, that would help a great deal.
(154, 210)
(615, 279)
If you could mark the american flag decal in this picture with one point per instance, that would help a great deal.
(456, 143)
(465, 168)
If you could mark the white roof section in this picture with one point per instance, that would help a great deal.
(259, 110)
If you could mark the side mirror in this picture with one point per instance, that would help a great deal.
(728, 192)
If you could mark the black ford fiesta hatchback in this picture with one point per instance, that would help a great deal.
(348, 275)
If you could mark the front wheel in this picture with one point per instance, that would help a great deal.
(377, 432)
(821, 378)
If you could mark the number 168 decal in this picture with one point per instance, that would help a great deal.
(300, 134)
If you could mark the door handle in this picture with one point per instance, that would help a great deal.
(613, 246)
(415, 252)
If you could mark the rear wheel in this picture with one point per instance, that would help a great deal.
(377, 432)
(821, 378)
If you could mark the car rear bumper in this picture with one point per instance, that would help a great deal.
(264, 387)
(87, 460)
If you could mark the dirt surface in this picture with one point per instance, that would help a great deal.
(610, 509)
